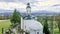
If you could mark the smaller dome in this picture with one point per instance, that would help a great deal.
(28, 3)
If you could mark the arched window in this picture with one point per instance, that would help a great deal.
(27, 32)
(37, 32)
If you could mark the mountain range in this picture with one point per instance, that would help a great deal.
(36, 12)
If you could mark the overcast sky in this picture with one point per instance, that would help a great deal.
(36, 5)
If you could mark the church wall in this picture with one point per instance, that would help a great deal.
(25, 25)
(32, 32)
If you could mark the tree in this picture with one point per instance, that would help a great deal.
(16, 17)
(58, 22)
(59, 25)
(45, 24)
(45, 28)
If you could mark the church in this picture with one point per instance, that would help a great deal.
(29, 23)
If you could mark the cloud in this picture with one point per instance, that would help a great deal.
(8, 0)
(35, 4)
(56, 5)
(53, 8)
(11, 5)
(24, 1)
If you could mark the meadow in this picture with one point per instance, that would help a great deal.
(4, 24)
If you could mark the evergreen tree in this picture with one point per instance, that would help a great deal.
(45, 29)
(16, 17)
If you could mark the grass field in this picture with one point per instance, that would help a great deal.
(4, 24)
(56, 31)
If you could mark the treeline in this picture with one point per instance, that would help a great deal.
(5, 17)
(49, 23)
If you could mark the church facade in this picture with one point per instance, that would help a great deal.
(29, 24)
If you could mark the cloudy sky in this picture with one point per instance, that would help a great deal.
(36, 5)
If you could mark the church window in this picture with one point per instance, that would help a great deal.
(37, 32)
(27, 32)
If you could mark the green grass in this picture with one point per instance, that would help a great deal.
(56, 31)
(4, 24)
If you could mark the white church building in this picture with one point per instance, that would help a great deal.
(29, 24)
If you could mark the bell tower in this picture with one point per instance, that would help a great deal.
(28, 8)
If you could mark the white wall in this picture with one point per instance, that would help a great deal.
(25, 24)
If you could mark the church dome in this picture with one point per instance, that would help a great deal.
(33, 24)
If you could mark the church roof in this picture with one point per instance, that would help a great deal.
(28, 17)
